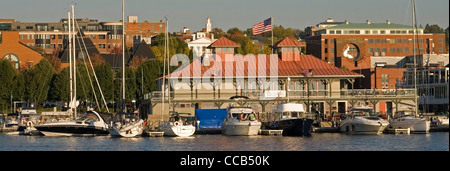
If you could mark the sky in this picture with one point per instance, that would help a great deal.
(226, 14)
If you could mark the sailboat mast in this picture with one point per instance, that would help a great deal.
(70, 61)
(414, 55)
(123, 56)
(168, 64)
(74, 63)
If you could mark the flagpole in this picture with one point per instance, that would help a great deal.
(271, 22)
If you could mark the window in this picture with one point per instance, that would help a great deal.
(101, 46)
(405, 41)
(383, 41)
(392, 41)
(14, 59)
(392, 50)
(384, 81)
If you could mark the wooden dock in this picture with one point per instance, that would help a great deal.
(271, 132)
(402, 131)
(155, 134)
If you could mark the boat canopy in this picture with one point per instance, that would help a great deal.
(289, 107)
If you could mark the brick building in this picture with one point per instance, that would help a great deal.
(20, 54)
(352, 45)
(141, 30)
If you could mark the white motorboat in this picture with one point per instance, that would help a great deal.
(362, 120)
(291, 118)
(90, 124)
(405, 121)
(128, 127)
(240, 121)
(180, 124)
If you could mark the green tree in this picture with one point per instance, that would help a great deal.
(146, 75)
(37, 80)
(7, 75)
(433, 29)
(60, 86)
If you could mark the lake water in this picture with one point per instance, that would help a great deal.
(434, 141)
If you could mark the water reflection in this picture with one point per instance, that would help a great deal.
(436, 141)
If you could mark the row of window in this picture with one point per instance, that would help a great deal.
(52, 36)
(372, 32)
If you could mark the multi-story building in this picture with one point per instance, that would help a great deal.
(106, 36)
(209, 81)
(21, 56)
(432, 87)
(352, 45)
(142, 30)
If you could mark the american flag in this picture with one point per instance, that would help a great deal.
(262, 27)
(307, 72)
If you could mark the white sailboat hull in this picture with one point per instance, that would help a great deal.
(415, 125)
(180, 130)
(128, 131)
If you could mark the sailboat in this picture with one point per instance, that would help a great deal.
(180, 124)
(91, 123)
(416, 125)
(127, 125)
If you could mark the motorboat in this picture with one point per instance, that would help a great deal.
(180, 124)
(240, 120)
(405, 121)
(362, 120)
(90, 124)
(28, 118)
(127, 126)
(291, 118)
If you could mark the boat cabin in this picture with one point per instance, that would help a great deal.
(288, 111)
(362, 111)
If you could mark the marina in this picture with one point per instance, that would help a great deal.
(435, 141)
(86, 85)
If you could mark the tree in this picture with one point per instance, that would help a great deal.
(37, 80)
(433, 29)
(60, 86)
(7, 75)
(218, 33)
(146, 75)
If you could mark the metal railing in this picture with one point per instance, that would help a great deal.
(355, 93)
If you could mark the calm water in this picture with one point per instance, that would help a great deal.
(435, 141)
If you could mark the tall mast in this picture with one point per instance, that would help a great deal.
(123, 56)
(164, 74)
(74, 63)
(70, 61)
(168, 63)
(414, 56)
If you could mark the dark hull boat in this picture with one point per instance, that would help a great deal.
(90, 124)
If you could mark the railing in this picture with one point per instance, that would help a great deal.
(210, 95)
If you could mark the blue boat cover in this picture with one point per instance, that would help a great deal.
(210, 118)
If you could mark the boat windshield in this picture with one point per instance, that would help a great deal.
(88, 116)
(363, 112)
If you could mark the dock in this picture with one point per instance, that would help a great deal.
(402, 131)
(155, 134)
(271, 132)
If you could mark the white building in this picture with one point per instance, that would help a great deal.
(199, 45)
